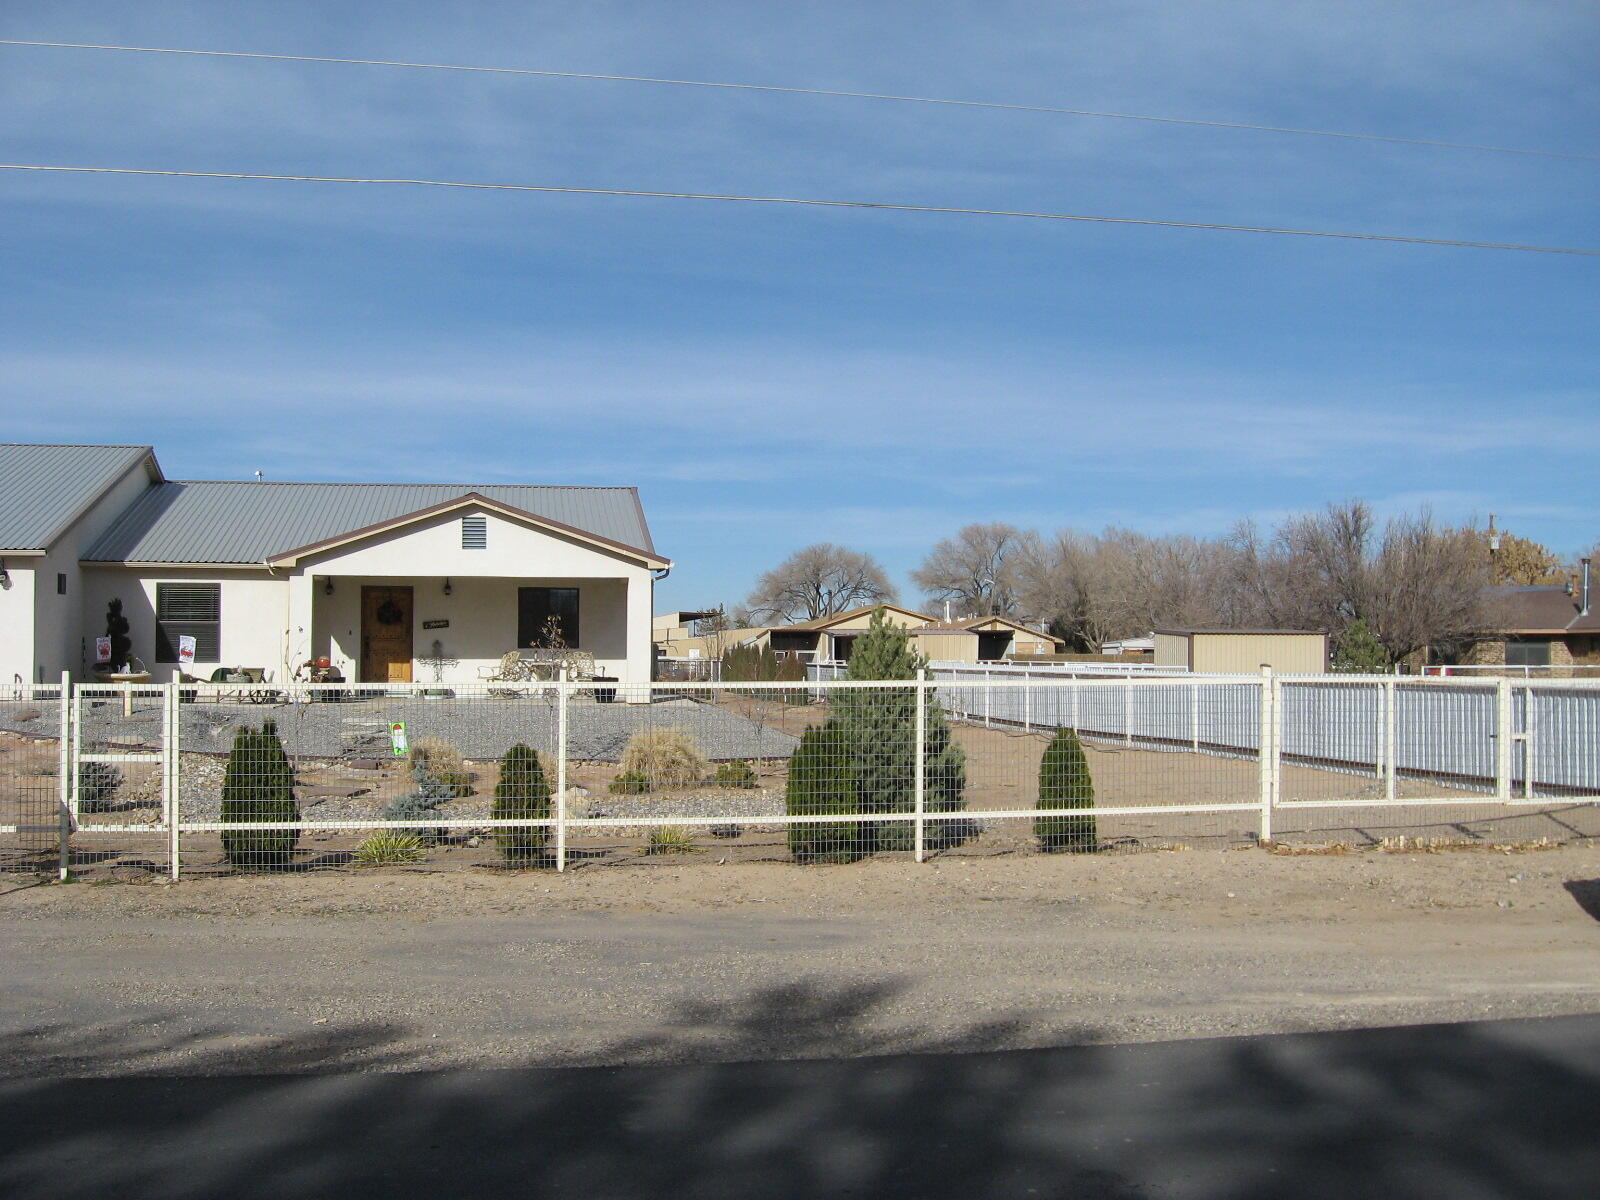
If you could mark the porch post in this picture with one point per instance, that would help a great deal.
(640, 648)
(297, 626)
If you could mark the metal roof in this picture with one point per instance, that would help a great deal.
(249, 522)
(44, 489)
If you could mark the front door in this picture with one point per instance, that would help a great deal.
(385, 635)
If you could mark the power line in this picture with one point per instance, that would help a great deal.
(803, 91)
(917, 208)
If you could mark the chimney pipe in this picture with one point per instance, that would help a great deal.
(1585, 601)
(947, 608)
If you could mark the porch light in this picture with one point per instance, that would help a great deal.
(5, 576)
(327, 586)
(447, 588)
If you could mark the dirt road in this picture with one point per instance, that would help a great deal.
(703, 962)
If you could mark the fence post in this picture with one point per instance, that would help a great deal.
(920, 770)
(1391, 699)
(561, 770)
(1528, 728)
(1027, 701)
(988, 697)
(1503, 736)
(1127, 708)
(1268, 753)
(64, 856)
(1194, 717)
(172, 772)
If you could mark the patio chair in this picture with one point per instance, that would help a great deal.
(512, 668)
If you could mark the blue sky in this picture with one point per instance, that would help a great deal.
(773, 376)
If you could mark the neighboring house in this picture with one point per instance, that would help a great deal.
(831, 638)
(1242, 651)
(678, 634)
(391, 582)
(1540, 626)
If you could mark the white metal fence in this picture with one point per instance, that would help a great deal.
(141, 780)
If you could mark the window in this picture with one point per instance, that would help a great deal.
(192, 610)
(535, 608)
(474, 533)
(1527, 653)
(61, 583)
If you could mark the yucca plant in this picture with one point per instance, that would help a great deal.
(670, 839)
(387, 847)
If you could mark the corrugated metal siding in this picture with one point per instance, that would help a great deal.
(248, 522)
(43, 487)
(1243, 653)
(1172, 650)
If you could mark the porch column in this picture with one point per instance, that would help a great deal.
(641, 591)
(297, 625)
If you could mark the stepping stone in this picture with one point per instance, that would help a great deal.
(320, 791)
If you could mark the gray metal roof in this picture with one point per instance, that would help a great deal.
(190, 522)
(44, 489)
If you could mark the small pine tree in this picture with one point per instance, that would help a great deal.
(1357, 650)
(878, 738)
(820, 783)
(258, 785)
(523, 794)
(1064, 782)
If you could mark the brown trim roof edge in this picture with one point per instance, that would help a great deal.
(287, 556)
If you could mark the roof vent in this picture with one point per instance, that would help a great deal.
(475, 533)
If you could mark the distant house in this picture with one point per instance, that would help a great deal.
(392, 582)
(1540, 626)
(831, 638)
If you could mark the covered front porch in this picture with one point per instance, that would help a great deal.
(450, 631)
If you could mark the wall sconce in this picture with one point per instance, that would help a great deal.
(5, 576)
(448, 590)
(327, 587)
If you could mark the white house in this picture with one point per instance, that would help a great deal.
(393, 582)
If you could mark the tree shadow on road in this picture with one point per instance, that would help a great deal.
(803, 1102)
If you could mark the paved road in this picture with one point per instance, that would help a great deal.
(1504, 1109)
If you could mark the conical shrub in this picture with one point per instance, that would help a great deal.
(820, 783)
(1064, 782)
(258, 786)
(523, 794)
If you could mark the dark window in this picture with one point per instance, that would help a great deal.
(474, 533)
(537, 605)
(192, 609)
(61, 583)
(1529, 653)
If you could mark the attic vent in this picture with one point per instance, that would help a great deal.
(474, 533)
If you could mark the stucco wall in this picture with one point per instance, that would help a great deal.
(254, 613)
(16, 624)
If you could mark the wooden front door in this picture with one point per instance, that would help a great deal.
(385, 635)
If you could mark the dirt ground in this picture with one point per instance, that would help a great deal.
(390, 969)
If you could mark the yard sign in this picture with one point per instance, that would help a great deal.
(102, 650)
(185, 650)
(397, 739)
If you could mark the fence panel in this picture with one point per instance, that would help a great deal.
(583, 775)
(32, 771)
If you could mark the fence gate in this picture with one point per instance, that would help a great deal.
(122, 765)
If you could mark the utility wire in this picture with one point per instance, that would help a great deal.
(802, 91)
(917, 208)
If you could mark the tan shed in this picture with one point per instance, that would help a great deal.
(1242, 651)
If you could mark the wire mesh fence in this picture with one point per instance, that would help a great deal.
(214, 778)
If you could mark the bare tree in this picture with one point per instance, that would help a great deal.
(818, 581)
(975, 570)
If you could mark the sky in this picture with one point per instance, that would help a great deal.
(772, 376)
